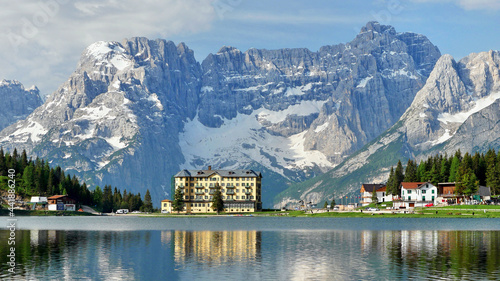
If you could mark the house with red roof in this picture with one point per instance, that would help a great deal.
(367, 192)
(417, 194)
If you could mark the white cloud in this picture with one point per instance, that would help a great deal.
(487, 5)
(480, 4)
(41, 40)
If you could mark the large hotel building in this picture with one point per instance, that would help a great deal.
(241, 190)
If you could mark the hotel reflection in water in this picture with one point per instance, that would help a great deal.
(214, 247)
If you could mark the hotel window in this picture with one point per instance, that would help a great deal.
(206, 190)
(433, 191)
(251, 197)
(251, 184)
(409, 191)
(223, 197)
(192, 184)
(192, 196)
(187, 197)
(222, 190)
(223, 184)
(237, 190)
(423, 191)
(206, 197)
(237, 184)
(237, 197)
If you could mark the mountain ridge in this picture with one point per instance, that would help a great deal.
(134, 113)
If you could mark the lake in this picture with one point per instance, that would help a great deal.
(252, 248)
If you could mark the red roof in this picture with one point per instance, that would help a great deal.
(411, 185)
(382, 189)
(166, 200)
(57, 197)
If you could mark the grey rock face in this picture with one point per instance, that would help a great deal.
(364, 87)
(116, 120)
(17, 102)
(458, 108)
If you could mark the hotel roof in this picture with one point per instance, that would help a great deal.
(222, 173)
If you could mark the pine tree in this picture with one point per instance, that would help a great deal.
(411, 172)
(178, 204)
(217, 202)
(24, 160)
(455, 164)
(325, 205)
(444, 174)
(3, 165)
(332, 204)
(148, 204)
(374, 196)
(398, 177)
(29, 179)
(107, 200)
(391, 186)
(435, 174)
(469, 183)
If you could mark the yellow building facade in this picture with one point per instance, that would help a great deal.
(241, 190)
(166, 206)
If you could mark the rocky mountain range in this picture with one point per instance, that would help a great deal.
(458, 108)
(17, 102)
(134, 113)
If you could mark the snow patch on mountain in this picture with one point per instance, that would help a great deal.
(460, 117)
(228, 144)
(363, 82)
(33, 131)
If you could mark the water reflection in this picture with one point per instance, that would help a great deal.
(216, 247)
(254, 255)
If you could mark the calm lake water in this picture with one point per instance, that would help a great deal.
(242, 248)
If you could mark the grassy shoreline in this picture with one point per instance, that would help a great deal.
(480, 211)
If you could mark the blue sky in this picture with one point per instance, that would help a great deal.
(41, 41)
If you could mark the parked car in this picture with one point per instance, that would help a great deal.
(372, 209)
(136, 212)
(164, 212)
(429, 205)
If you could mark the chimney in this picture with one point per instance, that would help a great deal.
(209, 168)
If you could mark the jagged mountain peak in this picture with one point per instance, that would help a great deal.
(377, 27)
(17, 102)
(458, 108)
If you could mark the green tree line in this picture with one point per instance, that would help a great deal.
(37, 178)
(468, 171)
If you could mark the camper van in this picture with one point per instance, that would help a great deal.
(122, 211)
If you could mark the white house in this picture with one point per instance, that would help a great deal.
(39, 199)
(417, 194)
(367, 192)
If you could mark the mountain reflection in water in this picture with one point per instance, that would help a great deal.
(254, 255)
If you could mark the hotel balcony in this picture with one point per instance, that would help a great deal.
(230, 186)
(198, 187)
(199, 192)
(249, 192)
(230, 192)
